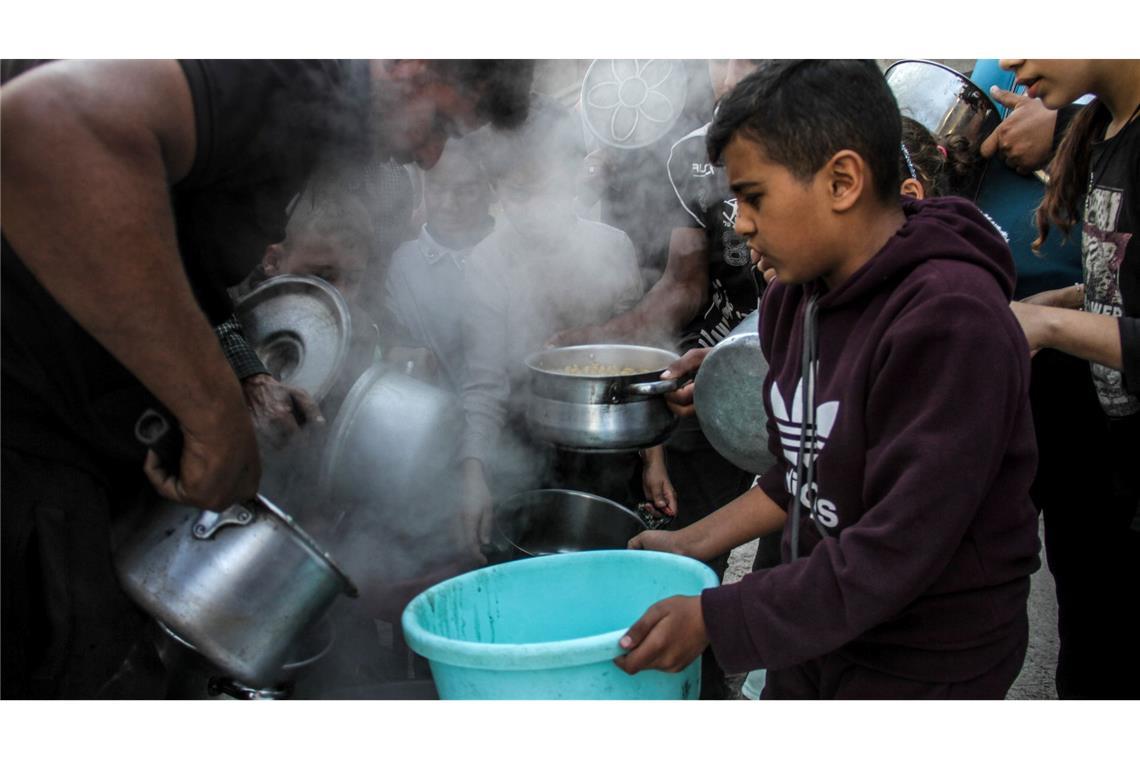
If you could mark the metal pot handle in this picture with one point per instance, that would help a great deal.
(652, 389)
(209, 523)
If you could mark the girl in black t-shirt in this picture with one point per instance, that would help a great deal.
(1094, 182)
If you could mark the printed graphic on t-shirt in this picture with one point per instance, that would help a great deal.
(1103, 251)
(790, 424)
(702, 190)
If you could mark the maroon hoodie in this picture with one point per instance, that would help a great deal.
(917, 560)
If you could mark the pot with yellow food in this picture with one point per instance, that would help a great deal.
(600, 397)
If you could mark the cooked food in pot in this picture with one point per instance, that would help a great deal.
(597, 369)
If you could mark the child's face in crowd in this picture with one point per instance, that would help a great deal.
(339, 265)
(1057, 82)
(784, 219)
(538, 200)
(456, 196)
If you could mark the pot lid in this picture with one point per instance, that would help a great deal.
(729, 401)
(299, 327)
(631, 103)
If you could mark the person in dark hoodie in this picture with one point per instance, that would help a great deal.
(897, 412)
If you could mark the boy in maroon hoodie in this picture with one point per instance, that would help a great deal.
(897, 412)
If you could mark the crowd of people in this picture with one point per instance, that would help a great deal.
(943, 372)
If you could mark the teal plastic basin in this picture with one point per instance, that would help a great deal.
(548, 627)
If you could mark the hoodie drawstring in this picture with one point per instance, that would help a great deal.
(805, 463)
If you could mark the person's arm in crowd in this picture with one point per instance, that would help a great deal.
(751, 515)
(279, 411)
(485, 391)
(90, 150)
(670, 303)
(1111, 341)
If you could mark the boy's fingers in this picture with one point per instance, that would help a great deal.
(634, 636)
(646, 655)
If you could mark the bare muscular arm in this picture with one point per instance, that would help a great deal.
(90, 150)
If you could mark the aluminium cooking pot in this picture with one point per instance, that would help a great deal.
(239, 586)
(394, 439)
(600, 412)
(557, 521)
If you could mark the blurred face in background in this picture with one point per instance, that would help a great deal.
(339, 262)
(538, 199)
(420, 111)
(457, 196)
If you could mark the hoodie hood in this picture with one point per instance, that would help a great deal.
(947, 228)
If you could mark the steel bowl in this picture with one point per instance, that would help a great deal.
(300, 329)
(729, 401)
(557, 521)
(616, 412)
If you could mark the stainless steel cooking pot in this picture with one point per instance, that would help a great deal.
(393, 438)
(729, 401)
(945, 102)
(240, 586)
(600, 412)
(555, 521)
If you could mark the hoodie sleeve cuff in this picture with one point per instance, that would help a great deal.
(728, 632)
(772, 483)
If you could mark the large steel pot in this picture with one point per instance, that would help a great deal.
(611, 412)
(729, 401)
(239, 586)
(556, 521)
(393, 438)
(947, 103)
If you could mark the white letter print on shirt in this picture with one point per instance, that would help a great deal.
(790, 426)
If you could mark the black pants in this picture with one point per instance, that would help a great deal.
(68, 631)
(1086, 487)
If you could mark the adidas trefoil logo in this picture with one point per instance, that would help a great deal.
(790, 425)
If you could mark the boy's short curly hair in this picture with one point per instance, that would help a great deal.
(805, 111)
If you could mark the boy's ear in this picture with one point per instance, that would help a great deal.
(846, 179)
